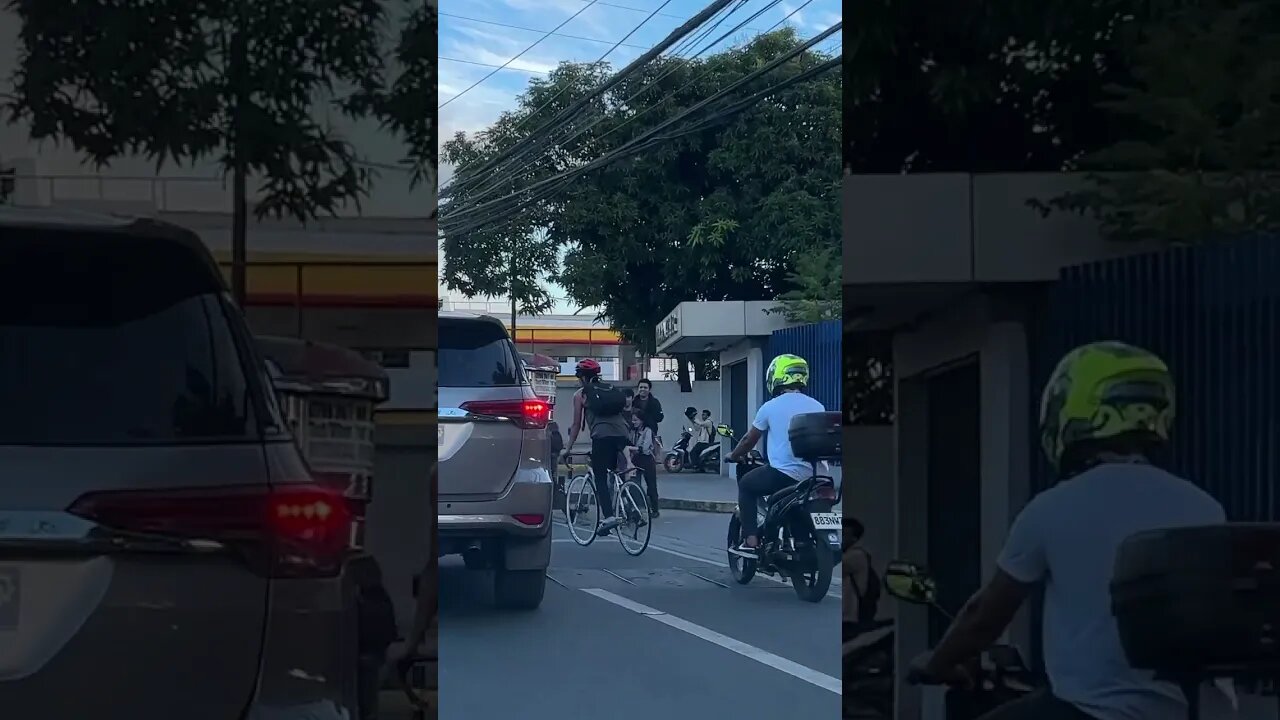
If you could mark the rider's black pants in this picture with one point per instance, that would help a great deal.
(760, 482)
(1039, 705)
(604, 459)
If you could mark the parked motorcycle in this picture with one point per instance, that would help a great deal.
(1000, 674)
(799, 534)
(680, 456)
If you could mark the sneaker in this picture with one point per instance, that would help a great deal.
(654, 513)
(745, 550)
(607, 525)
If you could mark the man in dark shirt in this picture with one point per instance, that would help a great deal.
(649, 406)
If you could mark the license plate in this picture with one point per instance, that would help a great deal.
(827, 521)
(9, 596)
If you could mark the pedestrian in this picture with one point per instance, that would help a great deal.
(643, 456)
(651, 410)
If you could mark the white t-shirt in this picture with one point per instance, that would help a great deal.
(1068, 536)
(774, 417)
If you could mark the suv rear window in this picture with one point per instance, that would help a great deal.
(476, 353)
(113, 343)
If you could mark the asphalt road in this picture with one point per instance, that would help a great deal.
(667, 634)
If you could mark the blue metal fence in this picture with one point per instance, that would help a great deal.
(819, 343)
(1213, 313)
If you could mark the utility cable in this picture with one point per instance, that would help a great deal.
(630, 100)
(529, 29)
(522, 52)
(643, 141)
(510, 157)
(671, 39)
(490, 65)
(718, 118)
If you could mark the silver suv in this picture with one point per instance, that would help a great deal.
(495, 487)
(164, 552)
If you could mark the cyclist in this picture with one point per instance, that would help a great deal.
(785, 380)
(1106, 411)
(599, 407)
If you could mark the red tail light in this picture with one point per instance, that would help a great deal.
(527, 413)
(531, 519)
(283, 531)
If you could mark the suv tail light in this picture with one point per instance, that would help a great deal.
(283, 531)
(526, 413)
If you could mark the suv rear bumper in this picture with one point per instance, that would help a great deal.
(466, 523)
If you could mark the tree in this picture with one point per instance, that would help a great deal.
(512, 257)
(723, 213)
(936, 86)
(868, 378)
(185, 81)
(409, 106)
(817, 288)
(1205, 162)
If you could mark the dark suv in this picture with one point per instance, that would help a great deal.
(495, 486)
(164, 552)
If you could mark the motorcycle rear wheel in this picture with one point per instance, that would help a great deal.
(813, 586)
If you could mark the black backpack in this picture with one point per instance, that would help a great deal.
(604, 400)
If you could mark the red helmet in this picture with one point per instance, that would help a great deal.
(587, 368)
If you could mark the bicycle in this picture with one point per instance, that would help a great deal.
(629, 501)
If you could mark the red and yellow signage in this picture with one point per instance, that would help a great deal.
(319, 280)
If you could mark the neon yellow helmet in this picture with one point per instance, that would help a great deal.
(784, 371)
(1105, 390)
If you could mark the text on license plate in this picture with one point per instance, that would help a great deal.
(827, 521)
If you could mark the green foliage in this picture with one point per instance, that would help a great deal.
(1204, 161)
(724, 213)
(817, 288)
(939, 86)
(409, 106)
(159, 79)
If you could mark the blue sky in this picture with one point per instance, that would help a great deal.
(470, 48)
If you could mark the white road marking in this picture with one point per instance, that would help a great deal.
(751, 652)
(830, 593)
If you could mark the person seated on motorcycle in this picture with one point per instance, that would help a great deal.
(704, 432)
(1105, 414)
(785, 380)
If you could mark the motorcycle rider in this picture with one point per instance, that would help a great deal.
(1105, 413)
(609, 438)
(704, 431)
(785, 380)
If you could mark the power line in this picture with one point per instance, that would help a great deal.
(636, 9)
(514, 156)
(529, 29)
(560, 118)
(490, 65)
(544, 188)
(528, 165)
(718, 118)
(522, 52)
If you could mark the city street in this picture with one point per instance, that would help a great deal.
(667, 634)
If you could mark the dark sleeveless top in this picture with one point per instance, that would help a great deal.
(868, 597)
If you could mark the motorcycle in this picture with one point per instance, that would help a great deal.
(677, 458)
(799, 533)
(1000, 674)
(680, 457)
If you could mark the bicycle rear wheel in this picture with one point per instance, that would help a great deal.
(581, 510)
(633, 510)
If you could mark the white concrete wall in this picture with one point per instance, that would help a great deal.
(414, 387)
(705, 395)
(869, 463)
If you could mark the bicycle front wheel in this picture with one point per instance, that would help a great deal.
(633, 511)
(581, 509)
